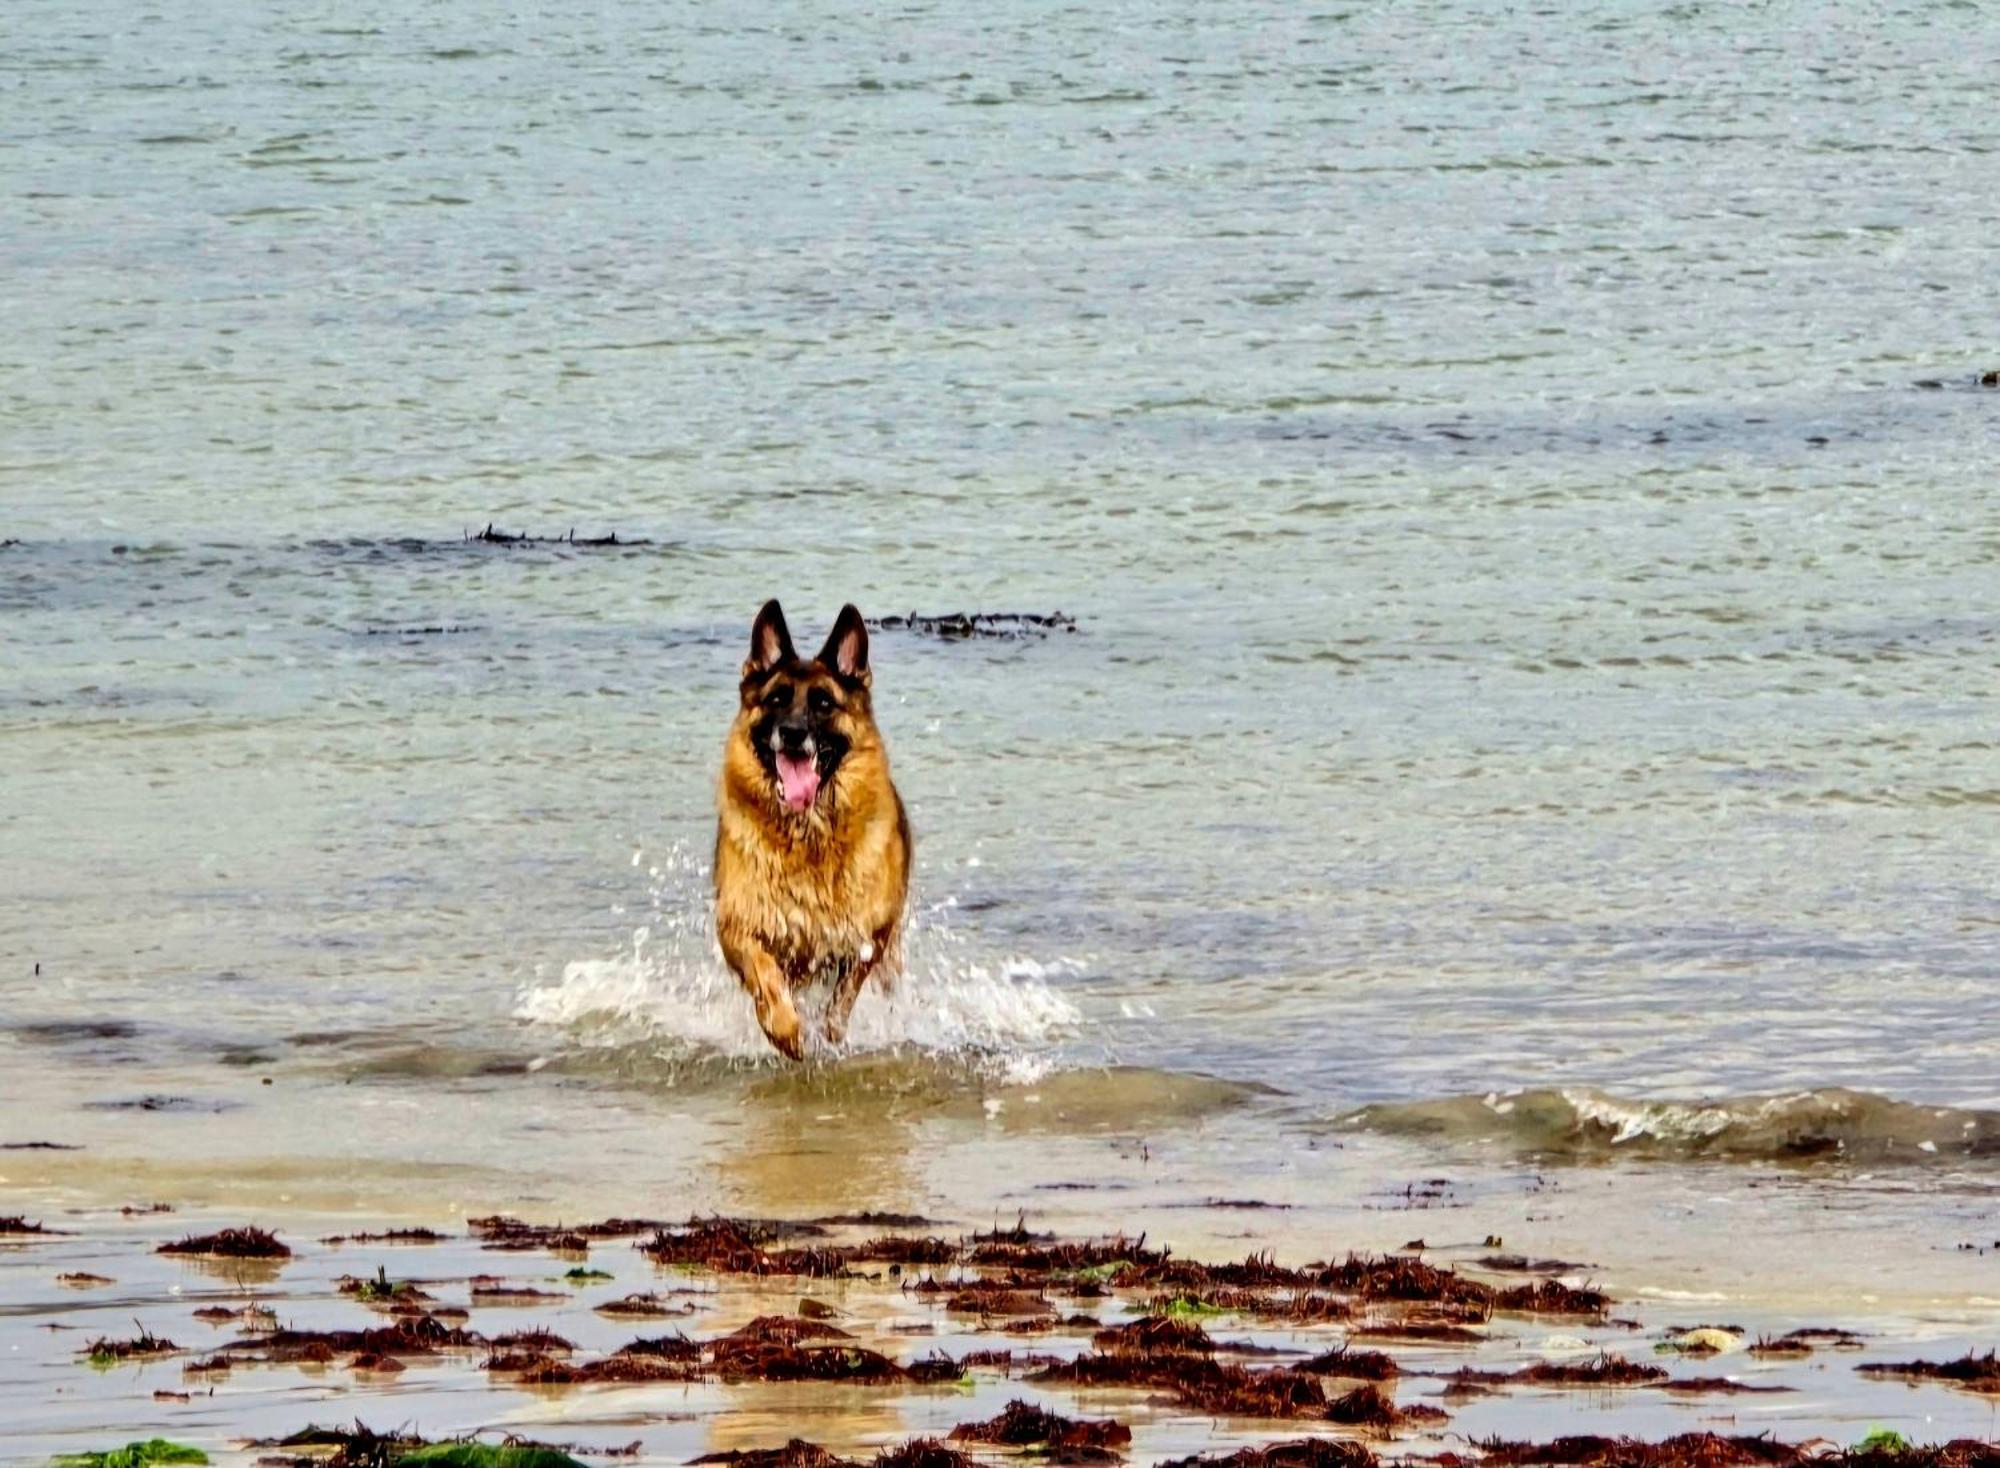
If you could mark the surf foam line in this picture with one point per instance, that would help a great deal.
(1573, 1122)
(671, 988)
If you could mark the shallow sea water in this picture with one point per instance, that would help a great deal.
(1535, 647)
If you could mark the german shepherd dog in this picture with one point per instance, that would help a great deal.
(812, 851)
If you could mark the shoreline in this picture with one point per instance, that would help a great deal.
(1503, 1344)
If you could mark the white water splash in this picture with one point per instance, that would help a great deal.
(671, 987)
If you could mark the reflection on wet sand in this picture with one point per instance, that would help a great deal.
(804, 1157)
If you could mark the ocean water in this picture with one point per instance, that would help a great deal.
(1530, 715)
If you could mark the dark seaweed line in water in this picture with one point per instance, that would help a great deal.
(956, 626)
(437, 631)
(490, 536)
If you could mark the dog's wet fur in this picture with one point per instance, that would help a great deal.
(812, 848)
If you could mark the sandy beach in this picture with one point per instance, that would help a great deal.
(634, 1340)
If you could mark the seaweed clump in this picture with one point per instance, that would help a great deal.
(421, 1335)
(1606, 1369)
(1369, 1406)
(775, 1348)
(798, 1453)
(1969, 1372)
(154, 1450)
(1305, 1452)
(1064, 1439)
(104, 1351)
(1402, 1277)
(230, 1243)
(730, 1246)
(1356, 1365)
(1198, 1382)
(16, 1226)
(499, 1231)
(1154, 1333)
(361, 1447)
(1551, 1297)
(958, 626)
(1686, 1450)
(924, 1452)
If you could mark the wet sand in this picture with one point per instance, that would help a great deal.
(861, 1335)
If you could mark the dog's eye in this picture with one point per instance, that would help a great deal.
(777, 698)
(820, 701)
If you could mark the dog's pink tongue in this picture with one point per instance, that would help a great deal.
(800, 777)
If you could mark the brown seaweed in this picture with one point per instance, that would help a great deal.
(798, 1453)
(923, 1452)
(641, 1307)
(934, 1368)
(542, 1342)
(230, 1243)
(1353, 1364)
(895, 1249)
(104, 1350)
(1064, 1439)
(1551, 1297)
(721, 1244)
(421, 1335)
(1370, 1406)
(1305, 1452)
(1198, 1382)
(1151, 1333)
(1400, 1277)
(1605, 1369)
(1300, 1307)
(1686, 1450)
(667, 1347)
(1969, 1372)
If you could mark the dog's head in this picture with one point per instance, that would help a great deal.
(802, 719)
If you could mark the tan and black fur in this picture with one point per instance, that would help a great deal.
(812, 851)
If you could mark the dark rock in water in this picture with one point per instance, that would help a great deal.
(958, 626)
(1990, 379)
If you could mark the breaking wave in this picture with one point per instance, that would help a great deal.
(670, 992)
(1582, 1124)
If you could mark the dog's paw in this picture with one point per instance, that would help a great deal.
(781, 1027)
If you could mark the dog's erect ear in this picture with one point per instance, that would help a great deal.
(770, 642)
(846, 650)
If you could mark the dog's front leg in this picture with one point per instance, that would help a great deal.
(761, 975)
(848, 989)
